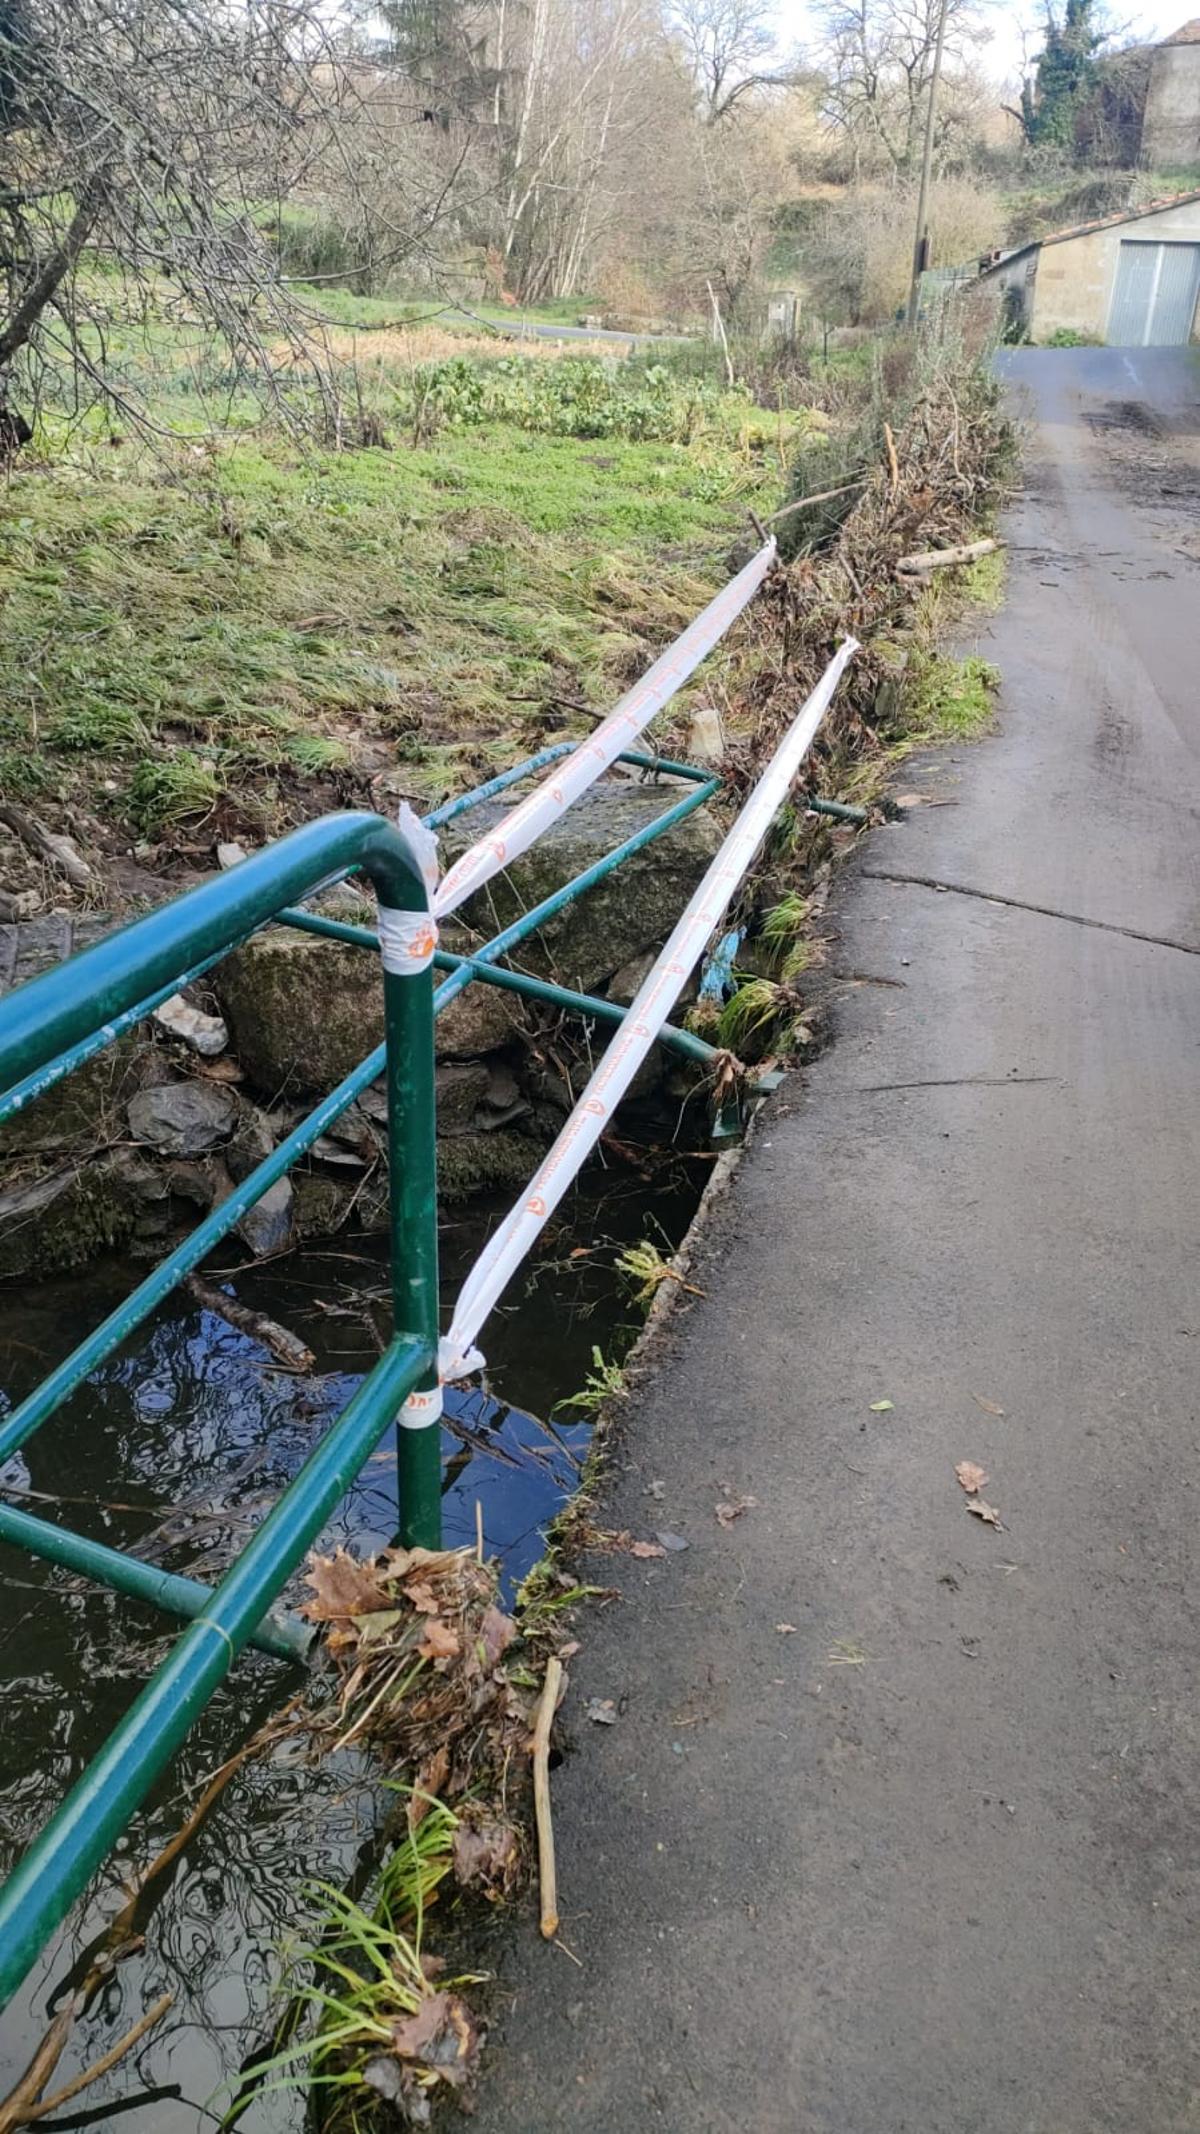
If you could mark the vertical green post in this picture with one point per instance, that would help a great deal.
(412, 1159)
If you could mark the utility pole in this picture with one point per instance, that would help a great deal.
(921, 240)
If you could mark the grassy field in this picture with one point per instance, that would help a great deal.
(223, 631)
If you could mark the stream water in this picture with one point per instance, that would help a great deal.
(175, 1450)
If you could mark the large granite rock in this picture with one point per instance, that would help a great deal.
(629, 911)
(305, 1012)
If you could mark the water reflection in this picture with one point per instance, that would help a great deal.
(176, 1450)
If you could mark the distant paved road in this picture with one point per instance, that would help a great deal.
(539, 330)
(927, 1861)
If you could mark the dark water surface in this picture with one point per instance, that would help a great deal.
(176, 1450)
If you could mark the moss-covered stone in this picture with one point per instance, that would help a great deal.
(86, 1107)
(485, 1163)
(305, 1012)
(63, 1218)
(629, 911)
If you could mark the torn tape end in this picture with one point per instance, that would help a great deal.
(455, 1362)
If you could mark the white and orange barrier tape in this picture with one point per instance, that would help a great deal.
(502, 1255)
(531, 817)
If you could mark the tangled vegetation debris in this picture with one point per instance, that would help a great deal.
(421, 1678)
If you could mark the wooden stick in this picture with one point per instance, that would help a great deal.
(478, 1530)
(893, 462)
(932, 559)
(822, 497)
(21, 2100)
(286, 1347)
(101, 2066)
(541, 1796)
(720, 326)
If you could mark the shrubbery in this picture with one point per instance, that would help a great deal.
(577, 397)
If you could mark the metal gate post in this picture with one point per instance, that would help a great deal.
(412, 1189)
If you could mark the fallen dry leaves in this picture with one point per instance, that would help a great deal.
(487, 1852)
(442, 2041)
(971, 1476)
(987, 1512)
(731, 1507)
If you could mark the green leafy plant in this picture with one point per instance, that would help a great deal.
(645, 1268)
(604, 1382)
(367, 2027)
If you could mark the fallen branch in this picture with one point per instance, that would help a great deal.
(287, 1348)
(932, 559)
(57, 851)
(893, 462)
(22, 2098)
(541, 1796)
(29, 2113)
(822, 497)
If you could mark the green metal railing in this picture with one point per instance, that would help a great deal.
(51, 1025)
(58, 1021)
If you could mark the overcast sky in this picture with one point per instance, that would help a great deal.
(1148, 21)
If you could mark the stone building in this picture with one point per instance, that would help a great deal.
(1171, 122)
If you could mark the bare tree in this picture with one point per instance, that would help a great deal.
(878, 57)
(143, 147)
(727, 44)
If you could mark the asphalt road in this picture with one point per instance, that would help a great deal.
(541, 330)
(925, 1861)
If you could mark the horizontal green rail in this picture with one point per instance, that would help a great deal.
(34, 1085)
(531, 920)
(282, 1635)
(67, 1006)
(451, 809)
(587, 1006)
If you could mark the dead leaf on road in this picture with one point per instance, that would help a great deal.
(987, 1512)
(990, 1407)
(731, 1508)
(442, 2035)
(971, 1476)
(881, 1407)
(602, 1711)
(786, 1630)
(645, 1549)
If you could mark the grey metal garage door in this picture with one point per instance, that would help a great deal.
(1154, 301)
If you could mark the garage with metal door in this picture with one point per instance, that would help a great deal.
(1154, 298)
(1131, 278)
